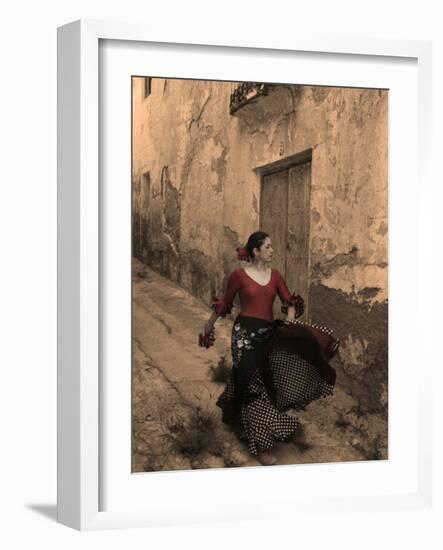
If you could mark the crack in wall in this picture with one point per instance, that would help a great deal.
(202, 109)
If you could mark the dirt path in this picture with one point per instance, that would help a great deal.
(172, 379)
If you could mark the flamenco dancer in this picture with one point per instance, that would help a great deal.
(276, 365)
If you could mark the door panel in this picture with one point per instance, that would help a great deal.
(285, 204)
(297, 247)
(274, 214)
(274, 200)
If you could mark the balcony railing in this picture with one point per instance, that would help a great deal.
(246, 93)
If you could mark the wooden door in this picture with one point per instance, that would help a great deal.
(285, 203)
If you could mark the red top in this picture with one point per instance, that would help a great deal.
(256, 300)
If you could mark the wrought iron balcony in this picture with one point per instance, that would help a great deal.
(246, 93)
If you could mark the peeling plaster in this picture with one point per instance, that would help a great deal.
(231, 242)
(362, 361)
(199, 274)
(366, 283)
(319, 93)
(218, 165)
(323, 267)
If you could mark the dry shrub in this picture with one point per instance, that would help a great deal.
(341, 422)
(194, 434)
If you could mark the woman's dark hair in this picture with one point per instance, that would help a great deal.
(255, 241)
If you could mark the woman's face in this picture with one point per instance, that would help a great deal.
(264, 253)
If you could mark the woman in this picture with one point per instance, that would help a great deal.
(273, 369)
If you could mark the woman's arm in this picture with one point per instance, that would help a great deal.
(223, 306)
(209, 325)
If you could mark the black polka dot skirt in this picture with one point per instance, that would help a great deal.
(266, 381)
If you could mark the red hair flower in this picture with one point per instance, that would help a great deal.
(242, 253)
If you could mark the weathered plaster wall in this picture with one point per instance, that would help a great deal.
(204, 196)
(347, 130)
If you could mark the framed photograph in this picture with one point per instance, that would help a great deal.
(243, 252)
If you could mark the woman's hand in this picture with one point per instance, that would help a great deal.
(207, 338)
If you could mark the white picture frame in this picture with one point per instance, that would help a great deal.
(80, 412)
